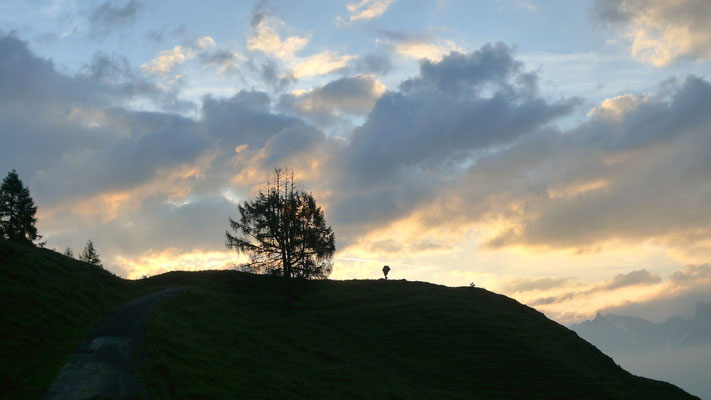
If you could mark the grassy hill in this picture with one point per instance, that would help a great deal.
(231, 334)
(48, 304)
(262, 337)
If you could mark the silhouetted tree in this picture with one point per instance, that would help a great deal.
(17, 210)
(68, 252)
(284, 231)
(89, 254)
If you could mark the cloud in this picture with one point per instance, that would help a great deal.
(634, 278)
(269, 73)
(639, 277)
(51, 113)
(415, 141)
(467, 147)
(89, 160)
(419, 46)
(366, 10)
(441, 115)
(108, 16)
(661, 32)
(244, 118)
(379, 64)
(322, 63)
(678, 296)
(167, 60)
(427, 51)
(225, 61)
(349, 95)
(266, 39)
(617, 176)
(156, 141)
(527, 285)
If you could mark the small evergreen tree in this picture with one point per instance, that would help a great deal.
(17, 210)
(89, 254)
(68, 252)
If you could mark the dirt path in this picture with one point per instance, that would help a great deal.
(102, 366)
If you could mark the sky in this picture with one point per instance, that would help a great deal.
(557, 152)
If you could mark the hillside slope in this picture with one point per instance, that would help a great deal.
(262, 337)
(48, 304)
(230, 334)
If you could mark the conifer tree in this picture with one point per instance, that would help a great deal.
(284, 231)
(89, 254)
(68, 252)
(17, 210)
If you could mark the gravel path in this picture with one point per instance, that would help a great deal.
(102, 366)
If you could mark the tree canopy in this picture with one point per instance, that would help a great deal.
(283, 231)
(17, 210)
(89, 254)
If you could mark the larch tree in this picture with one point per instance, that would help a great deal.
(17, 210)
(283, 231)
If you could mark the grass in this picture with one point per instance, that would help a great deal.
(230, 334)
(233, 334)
(48, 304)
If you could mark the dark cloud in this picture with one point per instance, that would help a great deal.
(109, 16)
(467, 140)
(225, 61)
(458, 74)
(611, 11)
(36, 106)
(412, 146)
(289, 143)
(404, 36)
(26, 78)
(379, 64)
(157, 141)
(259, 13)
(441, 115)
(244, 119)
(269, 72)
(632, 171)
(323, 105)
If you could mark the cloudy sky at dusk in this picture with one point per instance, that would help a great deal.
(557, 152)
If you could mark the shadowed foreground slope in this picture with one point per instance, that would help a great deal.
(103, 366)
(233, 334)
(48, 304)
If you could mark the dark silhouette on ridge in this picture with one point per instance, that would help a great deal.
(386, 269)
(90, 255)
(17, 211)
(283, 231)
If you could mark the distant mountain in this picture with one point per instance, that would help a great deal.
(614, 333)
